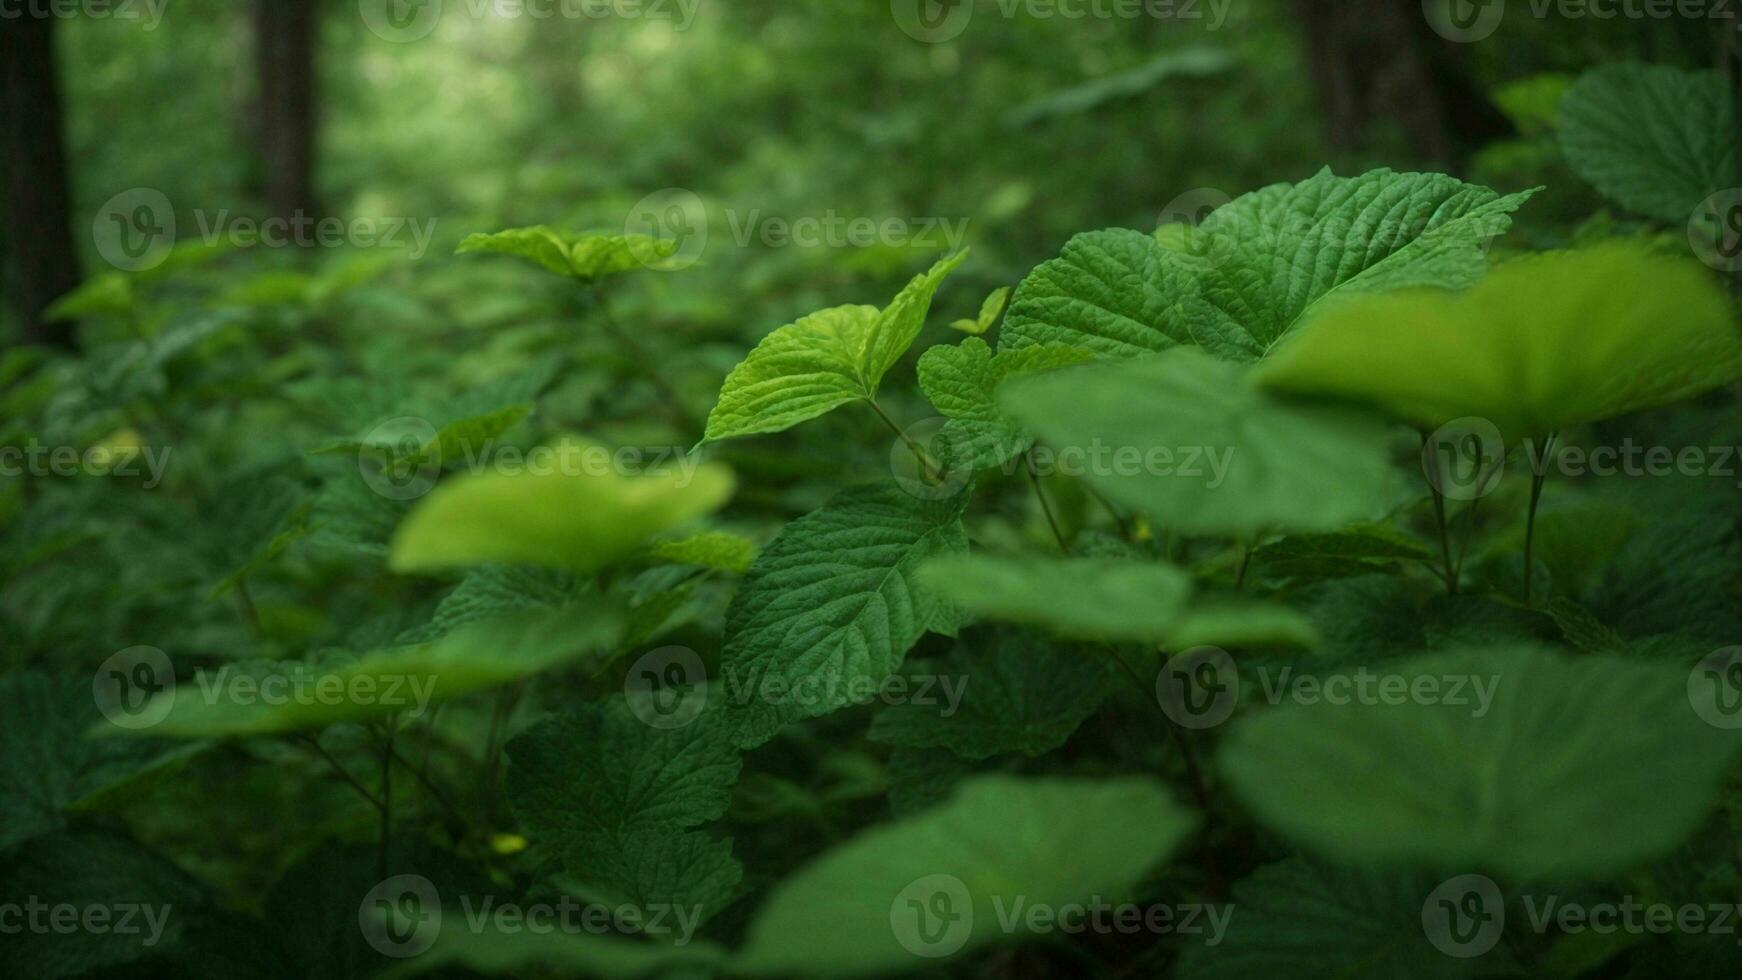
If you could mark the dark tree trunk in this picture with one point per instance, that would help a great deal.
(38, 210)
(284, 39)
(1380, 59)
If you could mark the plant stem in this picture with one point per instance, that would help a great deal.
(387, 755)
(645, 361)
(1045, 507)
(1449, 574)
(1245, 563)
(1118, 519)
(933, 469)
(344, 773)
(1538, 476)
(249, 612)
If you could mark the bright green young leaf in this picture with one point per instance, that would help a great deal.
(823, 361)
(860, 909)
(616, 789)
(1277, 251)
(962, 381)
(1297, 918)
(1017, 693)
(1186, 439)
(268, 698)
(1080, 598)
(832, 605)
(1543, 343)
(718, 550)
(571, 517)
(583, 257)
(1509, 760)
(990, 311)
(1655, 139)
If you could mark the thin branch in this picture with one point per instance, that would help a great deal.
(1045, 507)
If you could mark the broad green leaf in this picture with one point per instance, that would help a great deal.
(962, 381)
(1359, 549)
(494, 591)
(1522, 762)
(495, 952)
(718, 550)
(267, 698)
(1276, 252)
(1533, 102)
(1655, 139)
(1233, 623)
(990, 311)
(1116, 292)
(48, 766)
(569, 517)
(615, 789)
(823, 361)
(860, 909)
(1244, 279)
(831, 606)
(795, 374)
(1186, 439)
(82, 871)
(1298, 918)
(1080, 598)
(1544, 343)
(583, 257)
(1018, 693)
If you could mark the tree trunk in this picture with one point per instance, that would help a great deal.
(39, 213)
(284, 39)
(1379, 59)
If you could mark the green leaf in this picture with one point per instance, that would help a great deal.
(1577, 767)
(1544, 343)
(48, 766)
(1244, 279)
(1116, 292)
(1185, 438)
(962, 381)
(562, 516)
(1278, 251)
(795, 374)
(511, 953)
(583, 257)
(990, 311)
(495, 591)
(616, 796)
(1194, 61)
(1018, 694)
(832, 604)
(1301, 918)
(84, 871)
(1080, 598)
(718, 550)
(1235, 623)
(823, 361)
(1655, 139)
(266, 698)
(856, 911)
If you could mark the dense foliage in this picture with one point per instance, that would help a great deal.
(1341, 578)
